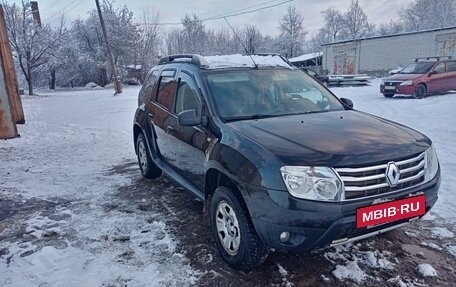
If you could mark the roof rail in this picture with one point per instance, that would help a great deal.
(436, 58)
(192, 58)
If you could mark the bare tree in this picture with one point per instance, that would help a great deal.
(33, 44)
(149, 43)
(356, 24)
(428, 14)
(333, 23)
(253, 39)
(393, 27)
(293, 31)
(193, 35)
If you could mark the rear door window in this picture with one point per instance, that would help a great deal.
(451, 66)
(167, 89)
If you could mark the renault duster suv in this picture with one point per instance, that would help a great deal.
(280, 161)
(422, 77)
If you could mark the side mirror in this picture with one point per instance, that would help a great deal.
(347, 102)
(432, 73)
(190, 118)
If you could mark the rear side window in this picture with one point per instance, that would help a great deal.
(148, 87)
(166, 90)
(451, 66)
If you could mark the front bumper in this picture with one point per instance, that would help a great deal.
(314, 225)
(403, 90)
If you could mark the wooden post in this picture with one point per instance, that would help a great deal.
(11, 112)
(117, 83)
(9, 71)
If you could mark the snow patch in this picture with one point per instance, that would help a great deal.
(238, 60)
(452, 250)
(426, 270)
(284, 274)
(441, 233)
(431, 245)
(350, 271)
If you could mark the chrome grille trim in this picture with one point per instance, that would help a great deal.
(369, 181)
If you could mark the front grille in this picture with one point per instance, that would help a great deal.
(392, 83)
(368, 181)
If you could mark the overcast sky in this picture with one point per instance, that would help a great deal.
(267, 20)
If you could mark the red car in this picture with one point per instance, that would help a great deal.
(424, 76)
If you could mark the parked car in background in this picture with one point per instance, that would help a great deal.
(322, 79)
(424, 76)
(280, 162)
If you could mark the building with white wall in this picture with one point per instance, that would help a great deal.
(377, 55)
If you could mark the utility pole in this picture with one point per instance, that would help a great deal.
(117, 83)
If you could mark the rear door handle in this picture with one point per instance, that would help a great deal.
(169, 129)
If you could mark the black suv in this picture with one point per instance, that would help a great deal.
(279, 160)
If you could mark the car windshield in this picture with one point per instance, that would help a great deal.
(417, 68)
(249, 94)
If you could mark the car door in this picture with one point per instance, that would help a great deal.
(437, 78)
(192, 141)
(451, 80)
(160, 113)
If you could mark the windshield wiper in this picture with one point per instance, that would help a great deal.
(250, 117)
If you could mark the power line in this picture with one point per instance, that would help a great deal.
(62, 11)
(227, 15)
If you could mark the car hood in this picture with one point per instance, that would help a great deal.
(402, 77)
(337, 139)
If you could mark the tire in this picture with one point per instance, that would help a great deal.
(388, 95)
(420, 91)
(148, 168)
(242, 249)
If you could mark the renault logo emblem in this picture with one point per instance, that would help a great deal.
(392, 174)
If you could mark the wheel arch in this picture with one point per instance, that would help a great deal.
(136, 132)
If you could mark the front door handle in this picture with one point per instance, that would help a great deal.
(169, 129)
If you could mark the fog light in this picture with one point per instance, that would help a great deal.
(284, 236)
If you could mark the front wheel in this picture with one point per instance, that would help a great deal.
(148, 168)
(233, 231)
(420, 91)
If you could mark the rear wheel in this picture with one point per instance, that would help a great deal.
(388, 95)
(420, 91)
(233, 232)
(148, 168)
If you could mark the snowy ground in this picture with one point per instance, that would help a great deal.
(75, 212)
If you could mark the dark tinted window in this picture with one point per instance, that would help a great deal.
(451, 66)
(166, 92)
(148, 87)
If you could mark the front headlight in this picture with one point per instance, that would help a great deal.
(314, 183)
(431, 164)
(406, 83)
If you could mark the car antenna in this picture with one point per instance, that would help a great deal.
(245, 49)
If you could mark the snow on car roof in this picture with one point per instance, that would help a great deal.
(238, 60)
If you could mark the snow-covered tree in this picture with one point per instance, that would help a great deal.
(150, 42)
(333, 24)
(392, 27)
(355, 22)
(252, 38)
(34, 45)
(291, 26)
(428, 14)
